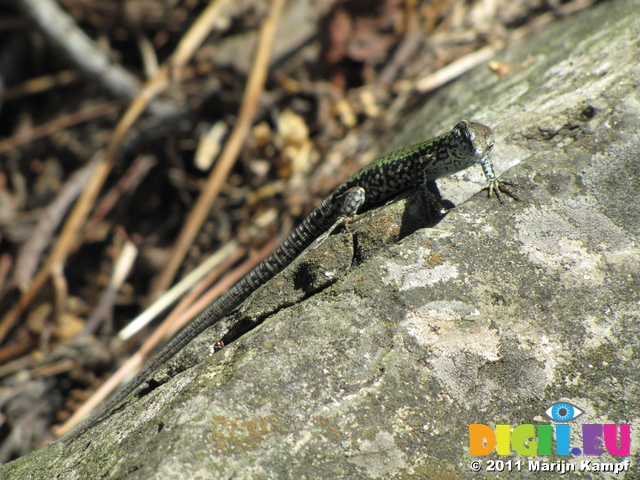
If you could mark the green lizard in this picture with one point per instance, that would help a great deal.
(416, 166)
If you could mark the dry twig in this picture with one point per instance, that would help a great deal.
(39, 85)
(31, 251)
(121, 269)
(217, 177)
(456, 69)
(229, 250)
(94, 62)
(58, 124)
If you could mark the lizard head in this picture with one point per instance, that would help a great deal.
(473, 140)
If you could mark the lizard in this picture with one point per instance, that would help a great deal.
(416, 166)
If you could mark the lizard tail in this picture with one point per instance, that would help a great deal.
(282, 256)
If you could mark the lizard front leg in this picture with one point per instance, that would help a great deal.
(496, 186)
(436, 207)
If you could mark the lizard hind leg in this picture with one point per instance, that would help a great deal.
(350, 201)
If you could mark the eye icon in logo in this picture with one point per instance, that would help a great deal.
(563, 412)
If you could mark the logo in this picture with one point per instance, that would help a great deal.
(547, 439)
(563, 412)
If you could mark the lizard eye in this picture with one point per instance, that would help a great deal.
(461, 129)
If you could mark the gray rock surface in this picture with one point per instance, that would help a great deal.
(372, 355)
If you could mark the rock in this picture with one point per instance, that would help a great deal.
(372, 356)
